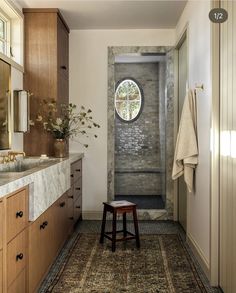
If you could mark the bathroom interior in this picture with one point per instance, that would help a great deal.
(92, 95)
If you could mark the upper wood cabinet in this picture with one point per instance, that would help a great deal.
(46, 69)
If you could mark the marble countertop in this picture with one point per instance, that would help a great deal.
(47, 181)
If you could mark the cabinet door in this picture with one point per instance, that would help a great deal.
(63, 63)
(17, 213)
(19, 285)
(63, 49)
(1, 272)
(61, 220)
(16, 256)
(41, 245)
(78, 209)
(1, 223)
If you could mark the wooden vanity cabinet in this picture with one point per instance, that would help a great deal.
(46, 237)
(1, 272)
(46, 69)
(14, 241)
(76, 190)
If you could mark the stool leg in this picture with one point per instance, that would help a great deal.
(124, 225)
(136, 227)
(103, 224)
(114, 232)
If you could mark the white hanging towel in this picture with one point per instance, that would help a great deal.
(186, 149)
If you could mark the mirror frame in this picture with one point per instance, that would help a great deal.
(9, 104)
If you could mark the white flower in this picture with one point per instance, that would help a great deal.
(58, 121)
(39, 118)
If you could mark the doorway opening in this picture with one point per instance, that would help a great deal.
(141, 128)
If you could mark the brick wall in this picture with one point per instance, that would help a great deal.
(139, 144)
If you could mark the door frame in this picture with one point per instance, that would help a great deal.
(184, 36)
(215, 152)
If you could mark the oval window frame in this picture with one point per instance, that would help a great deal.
(142, 99)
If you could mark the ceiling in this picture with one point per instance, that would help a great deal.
(111, 14)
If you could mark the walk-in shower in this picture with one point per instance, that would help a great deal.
(140, 128)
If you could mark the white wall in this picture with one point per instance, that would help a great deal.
(88, 87)
(196, 16)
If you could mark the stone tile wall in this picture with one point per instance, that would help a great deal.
(137, 144)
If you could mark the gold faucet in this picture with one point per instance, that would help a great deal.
(12, 155)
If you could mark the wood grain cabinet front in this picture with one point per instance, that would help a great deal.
(16, 256)
(76, 189)
(40, 248)
(17, 213)
(46, 237)
(1, 224)
(1, 272)
(19, 285)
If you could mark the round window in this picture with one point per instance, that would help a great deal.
(128, 100)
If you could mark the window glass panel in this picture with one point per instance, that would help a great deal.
(2, 29)
(2, 47)
(128, 100)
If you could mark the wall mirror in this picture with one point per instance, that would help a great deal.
(128, 100)
(5, 71)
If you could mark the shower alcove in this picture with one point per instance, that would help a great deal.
(141, 128)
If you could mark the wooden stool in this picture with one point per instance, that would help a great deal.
(119, 207)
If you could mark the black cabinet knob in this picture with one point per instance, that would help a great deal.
(19, 256)
(78, 207)
(62, 204)
(77, 170)
(71, 175)
(19, 214)
(63, 67)
(70, 196)
(77, 188)
(43, 225)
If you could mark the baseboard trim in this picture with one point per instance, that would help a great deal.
(198, 253)
(92, 215)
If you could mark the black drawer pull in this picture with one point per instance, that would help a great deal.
(72, 175)
(63, 67)
(19, 214)
(42, 226)
(70, 196)
(77, 188)
(62, 204)
(78, 207)
(19, 256)
(77, 170)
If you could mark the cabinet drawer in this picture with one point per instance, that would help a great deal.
(17, 214)
(77, 189)
(78, 209)
(1, 271)
(77, 170)
(19, 285)
(16, 257)
(1, 224)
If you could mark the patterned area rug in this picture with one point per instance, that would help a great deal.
(161, 265)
